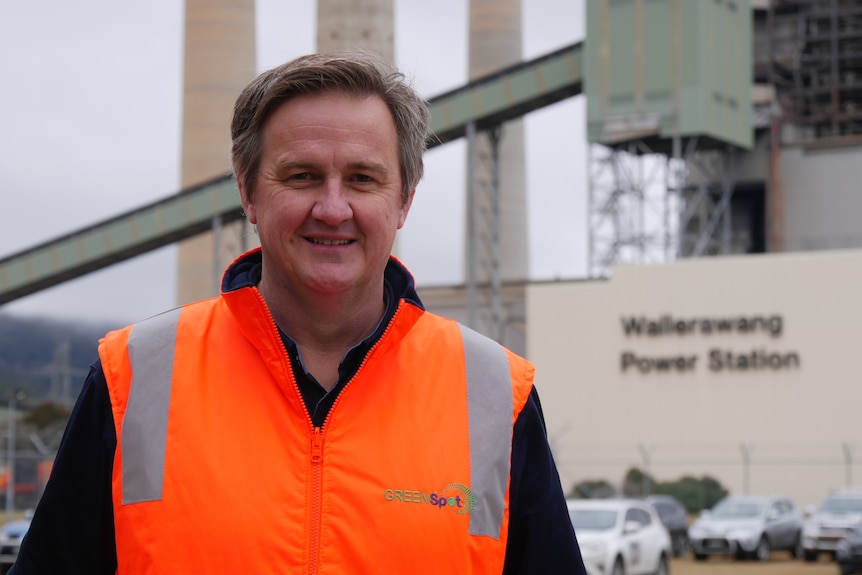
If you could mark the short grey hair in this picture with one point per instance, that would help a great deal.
(356, 73)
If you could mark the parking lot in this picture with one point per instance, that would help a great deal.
(779, 564)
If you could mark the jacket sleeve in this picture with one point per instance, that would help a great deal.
(541, 537)
(73, 525)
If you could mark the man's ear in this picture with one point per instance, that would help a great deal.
(247, 205)
(405, 209)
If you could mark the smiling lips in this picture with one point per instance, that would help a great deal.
(330, 242)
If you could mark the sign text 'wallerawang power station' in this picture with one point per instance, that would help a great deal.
(717, 359)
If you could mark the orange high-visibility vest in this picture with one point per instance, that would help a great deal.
(219, 468)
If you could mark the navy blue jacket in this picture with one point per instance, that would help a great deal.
(73, 525)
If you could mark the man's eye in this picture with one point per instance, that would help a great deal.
(362, 178)
(302, 177)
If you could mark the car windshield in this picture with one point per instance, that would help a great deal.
(16, 529)
(593, 519)
(842, 505)
(738, 510)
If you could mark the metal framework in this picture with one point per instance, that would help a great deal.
(651, 206)
(631, 209)
(815, 52)
(484, 278)
(705, 218)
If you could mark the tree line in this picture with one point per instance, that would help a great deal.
(695, 493)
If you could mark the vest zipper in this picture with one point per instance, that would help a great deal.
(316, 496)
(317, 444)
(317, 460)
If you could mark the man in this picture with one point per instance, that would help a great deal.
(313, 418)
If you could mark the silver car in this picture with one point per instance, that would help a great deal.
(838, 516)
(748, 527)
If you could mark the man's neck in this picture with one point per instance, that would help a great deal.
(324, 329)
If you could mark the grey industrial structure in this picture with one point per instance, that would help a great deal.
(716, 127)
(785, 182)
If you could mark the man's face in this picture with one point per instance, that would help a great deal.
(327, 201)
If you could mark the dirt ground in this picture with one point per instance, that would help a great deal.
(779, 564)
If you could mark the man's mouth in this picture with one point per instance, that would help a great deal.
(330, 242)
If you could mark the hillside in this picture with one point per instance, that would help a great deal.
(46, 358)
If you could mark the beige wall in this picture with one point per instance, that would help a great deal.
(822, 202)
(453, 302)
(794, 421)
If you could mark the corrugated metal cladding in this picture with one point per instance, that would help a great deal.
(661, 67)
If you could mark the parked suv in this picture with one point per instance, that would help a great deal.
(674, 516)
(747, 527)
(839, 514)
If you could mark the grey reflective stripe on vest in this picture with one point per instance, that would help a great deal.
(489, 407)
(152, 344)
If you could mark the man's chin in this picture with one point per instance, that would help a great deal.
(332, 283)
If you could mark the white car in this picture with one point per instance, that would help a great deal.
(11, 535)
(838, 516)
(621, 536)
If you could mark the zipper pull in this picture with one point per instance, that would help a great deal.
(316, 446)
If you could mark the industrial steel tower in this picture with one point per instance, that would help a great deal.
(368, 24)
(497, 238)
(220, 59)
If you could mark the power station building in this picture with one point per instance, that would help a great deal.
(742, 368)
(717, 330)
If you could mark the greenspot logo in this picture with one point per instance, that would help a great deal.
(454, 496)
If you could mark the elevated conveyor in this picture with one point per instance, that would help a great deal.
(488, 101)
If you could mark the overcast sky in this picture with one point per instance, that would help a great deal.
(91, 106)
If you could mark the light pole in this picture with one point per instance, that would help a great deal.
(646, 478)
(848, 462)
(746, 448)
(14, 395)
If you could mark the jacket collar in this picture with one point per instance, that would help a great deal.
(245, 272)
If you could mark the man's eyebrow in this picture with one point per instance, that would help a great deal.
(288, 166)
(369, 167)
(284, 168)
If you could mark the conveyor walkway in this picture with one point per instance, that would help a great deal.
(509, 93)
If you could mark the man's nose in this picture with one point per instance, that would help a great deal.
(332, 205)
